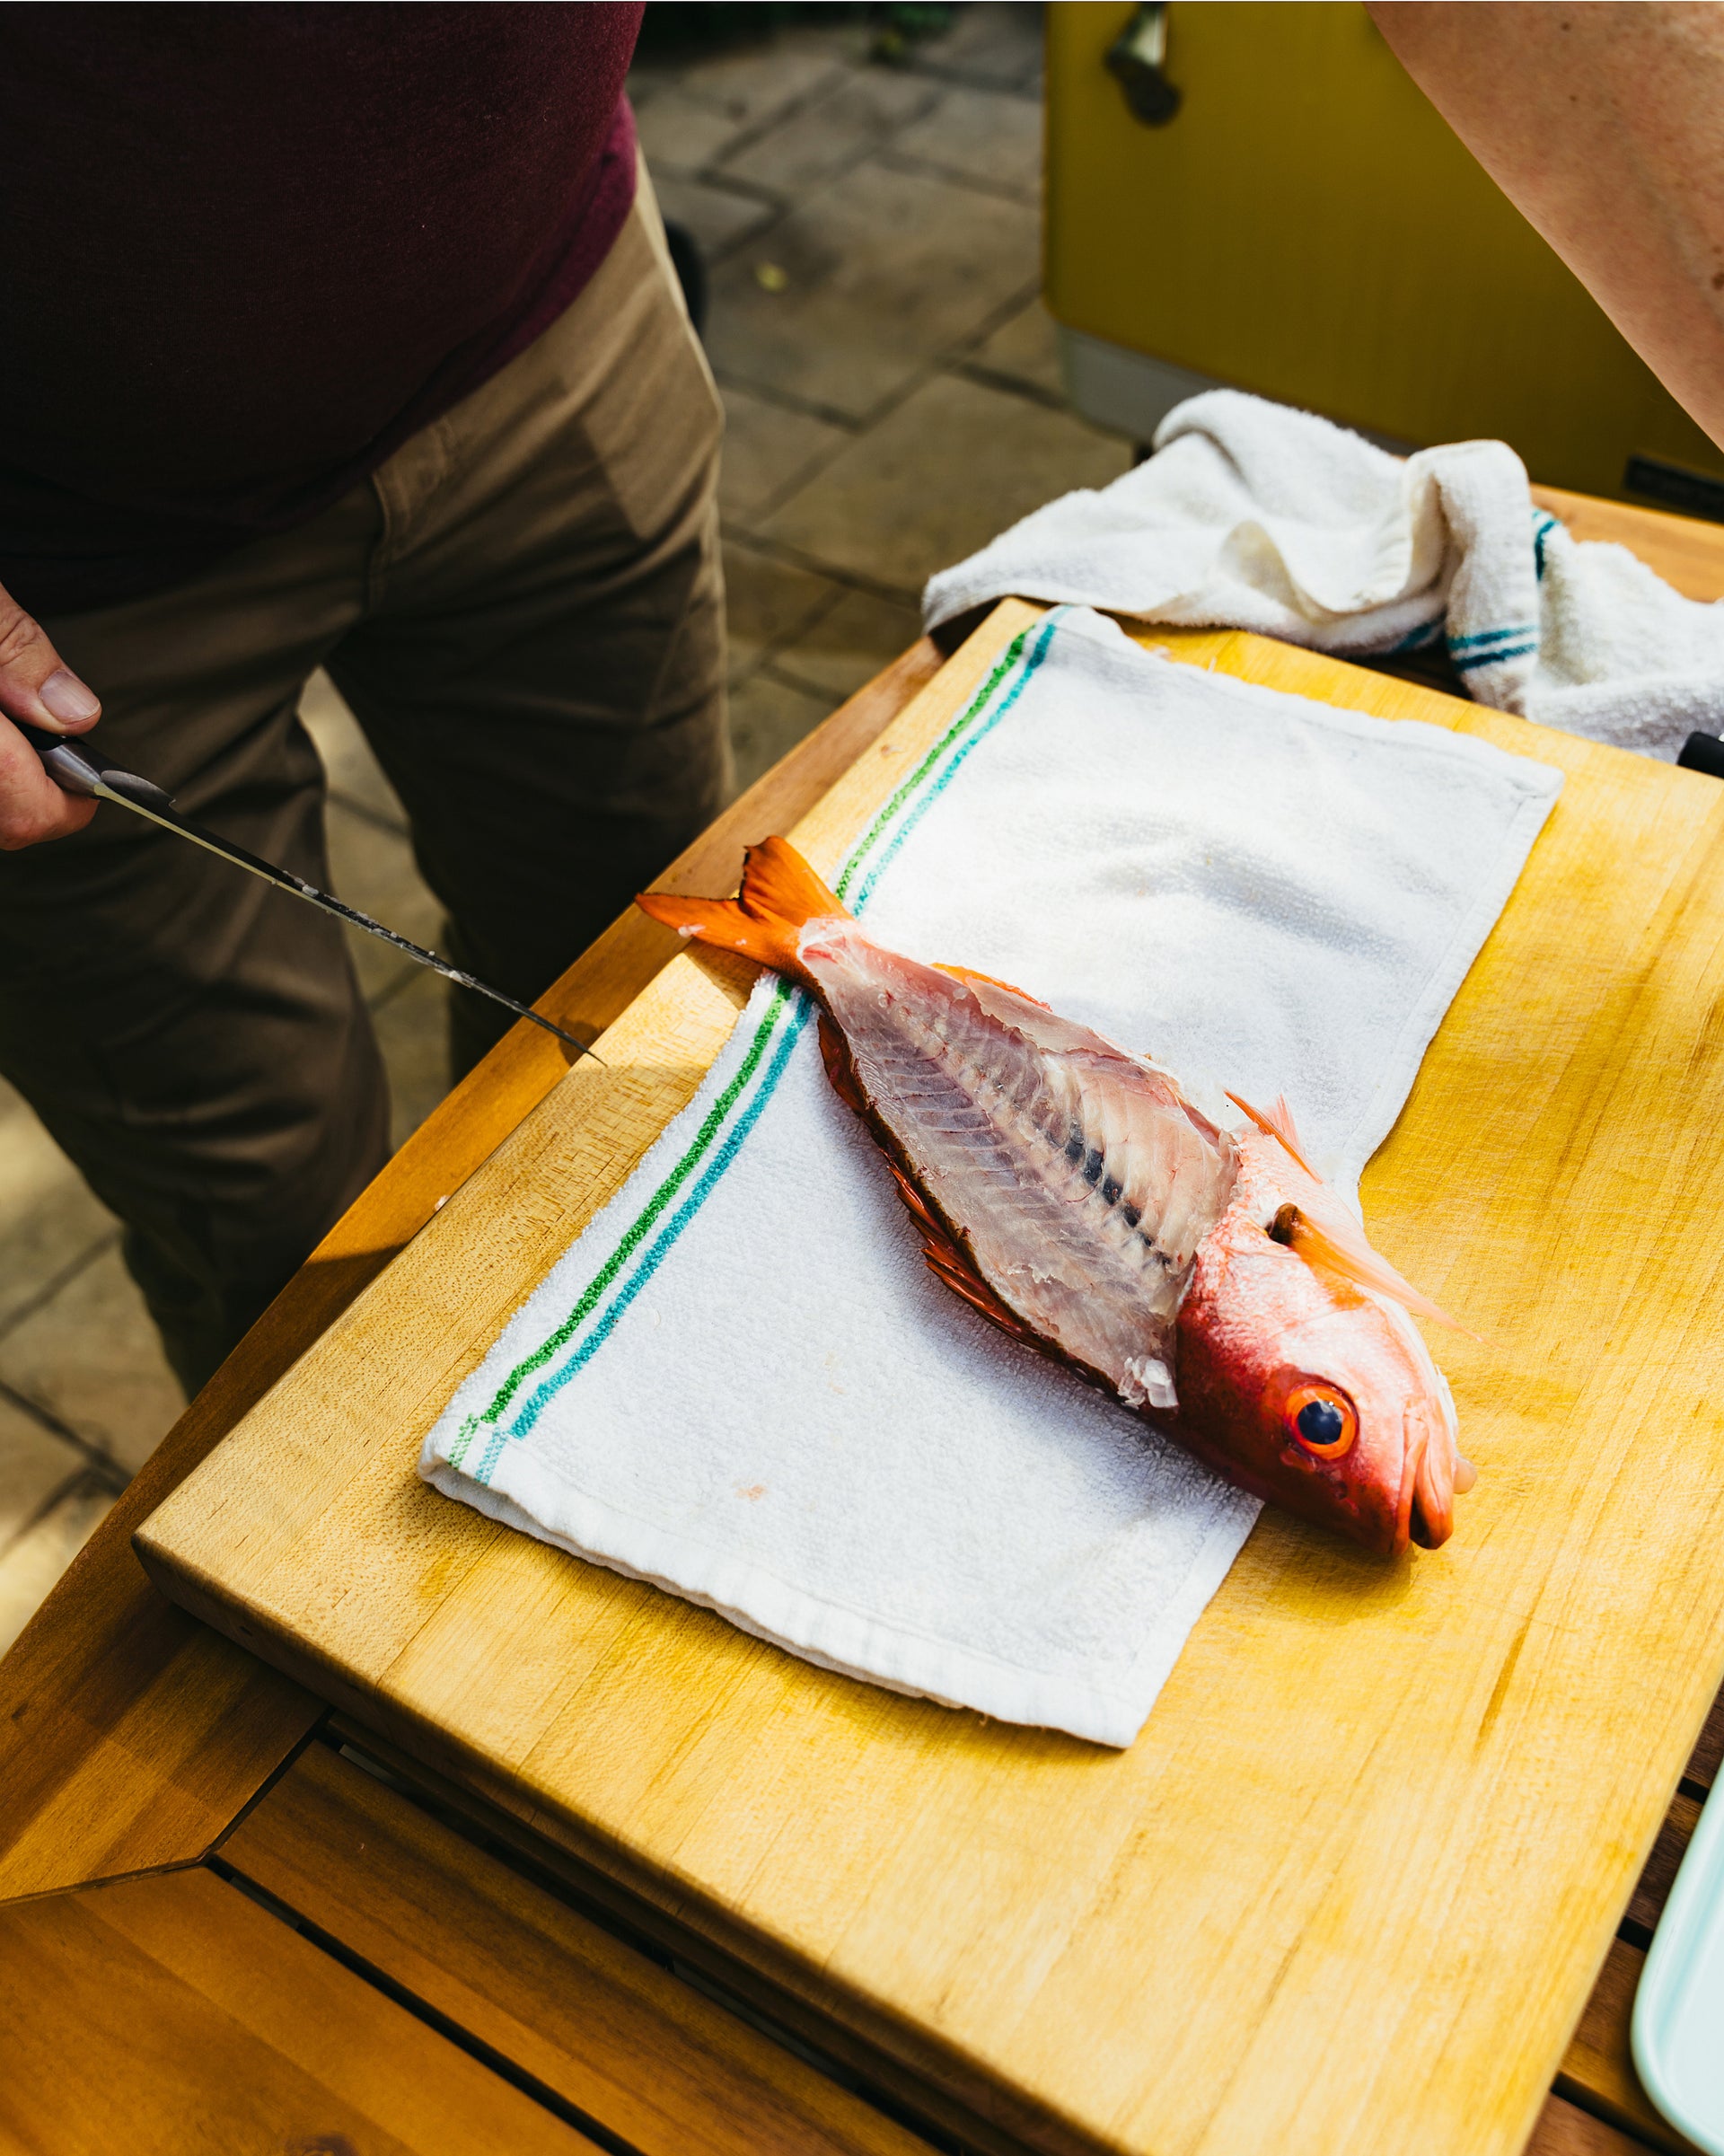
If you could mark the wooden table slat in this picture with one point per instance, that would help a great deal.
(661, 1929)
(1597, 2070)
(1708, 1754)
(1563, 2129)
(610, 2031)
(1652, 1889)
(163, 2015)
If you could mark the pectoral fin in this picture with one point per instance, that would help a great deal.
(1343, 1250)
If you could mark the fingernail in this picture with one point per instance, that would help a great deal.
(65, 696)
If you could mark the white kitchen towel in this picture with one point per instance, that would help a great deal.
(1254, 515)
(741, 1383)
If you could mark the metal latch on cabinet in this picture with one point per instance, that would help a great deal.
(1136, 59)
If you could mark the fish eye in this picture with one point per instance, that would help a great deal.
(1321, 1419)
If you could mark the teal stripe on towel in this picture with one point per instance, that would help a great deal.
(1495, 658)
(650, 1265)
(1543, 525)
(1495, 635)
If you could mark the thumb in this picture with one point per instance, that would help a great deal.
(35, 683)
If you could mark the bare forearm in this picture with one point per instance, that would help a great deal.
(1603, 124)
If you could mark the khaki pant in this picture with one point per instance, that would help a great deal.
(525, 611)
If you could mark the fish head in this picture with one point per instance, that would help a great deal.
(1316, 1393)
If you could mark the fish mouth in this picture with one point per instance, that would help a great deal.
(1431, 1513)
(1429, 1536)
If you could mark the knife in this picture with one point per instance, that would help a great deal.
(77, 770)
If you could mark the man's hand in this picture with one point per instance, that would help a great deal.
(34, 685)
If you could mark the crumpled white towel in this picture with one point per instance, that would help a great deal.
(741, 1383)
(1254, 515)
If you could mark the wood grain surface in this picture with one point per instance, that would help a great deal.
(1352, 1885)
(129, 1735)
(163, 2016)
(609, 2030)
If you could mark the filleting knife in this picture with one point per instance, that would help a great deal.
(76, 769)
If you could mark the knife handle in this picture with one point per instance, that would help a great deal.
(74, 771)
(1704, 753)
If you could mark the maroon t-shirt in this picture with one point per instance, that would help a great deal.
(246, 251)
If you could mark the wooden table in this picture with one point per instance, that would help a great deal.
(230, 1920)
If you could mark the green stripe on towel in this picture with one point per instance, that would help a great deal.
(639, 1252)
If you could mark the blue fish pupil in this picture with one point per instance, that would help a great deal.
(1321, 1423)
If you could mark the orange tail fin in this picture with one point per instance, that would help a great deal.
(780, 892)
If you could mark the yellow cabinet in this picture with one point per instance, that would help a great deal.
(1305, 225)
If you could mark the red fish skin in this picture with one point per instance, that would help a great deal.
(1256, 1321)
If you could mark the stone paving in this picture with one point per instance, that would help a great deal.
(893, 399)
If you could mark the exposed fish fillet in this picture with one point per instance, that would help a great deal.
(1077, 1176)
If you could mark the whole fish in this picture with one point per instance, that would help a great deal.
(1190, 1264)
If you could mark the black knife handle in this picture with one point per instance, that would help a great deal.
(74, 769)
(1704, 753)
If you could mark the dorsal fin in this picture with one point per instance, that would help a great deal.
(1278, 1123)
(967, 974)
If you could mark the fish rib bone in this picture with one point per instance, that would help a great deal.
(1074, 1174)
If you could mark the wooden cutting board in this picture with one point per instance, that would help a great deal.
(1350, 1889)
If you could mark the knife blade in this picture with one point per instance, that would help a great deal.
(75, 768)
